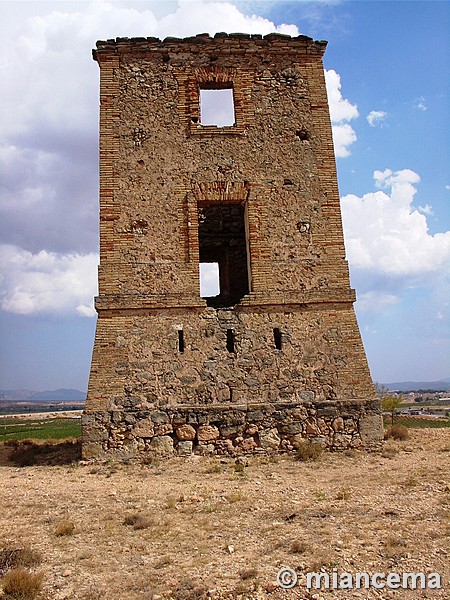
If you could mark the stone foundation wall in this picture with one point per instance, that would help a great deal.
(219, 429)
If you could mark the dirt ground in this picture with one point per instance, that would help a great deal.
(206, 527)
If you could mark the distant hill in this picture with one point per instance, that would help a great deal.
(61, 395)
(406, 386)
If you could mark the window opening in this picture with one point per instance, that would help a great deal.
(230, 340)
(209, 279)
(277, 338)
(180, 340)
(222, 241)
(217, 106)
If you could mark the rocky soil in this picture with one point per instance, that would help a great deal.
(192, 528)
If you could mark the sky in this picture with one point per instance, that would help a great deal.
(387, 66)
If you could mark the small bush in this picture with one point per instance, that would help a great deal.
(12, 558)
(298, 547)
(343, 494)
(138, 521)
(397, 432)
(187, 589)
(235, 497)
(64, 527)
(308, 451)
(396, 547)
(213, 467)
(250, 573)
(171, 502)
(20, 584)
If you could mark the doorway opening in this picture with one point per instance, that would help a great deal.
(222, 241)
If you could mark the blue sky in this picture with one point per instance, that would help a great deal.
(387, 69)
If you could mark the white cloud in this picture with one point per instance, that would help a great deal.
(426, 210)
(340, 108)
(47, 282)
(375, 301)
(420, 104)
(386, 236)
(376, 118)
(49, 136)
(343, 136)
(341, 111)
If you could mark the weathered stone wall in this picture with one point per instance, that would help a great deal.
(292, 340)
(240, 429)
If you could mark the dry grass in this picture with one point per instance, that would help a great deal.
(139, 521)
(64, 527)
(344, 494)
(397, 432)
(395, 547)
(12, 558)
(250, 573)
(308, 451)
(20, 584)
(298, 547)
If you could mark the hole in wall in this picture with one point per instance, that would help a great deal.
(222, 241)
(217, 107)
(209, 279)
(230, 340)
(277, 338)
(180, 340)
(302, 134)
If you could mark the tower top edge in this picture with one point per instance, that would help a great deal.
(227, 42)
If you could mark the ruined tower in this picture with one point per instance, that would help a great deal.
(217, 153)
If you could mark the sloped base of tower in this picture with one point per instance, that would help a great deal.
(233, 430)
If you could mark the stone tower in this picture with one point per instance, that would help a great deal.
(217, 153)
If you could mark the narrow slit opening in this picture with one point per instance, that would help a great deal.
(277, 338)
(230, 340)
(180, 340)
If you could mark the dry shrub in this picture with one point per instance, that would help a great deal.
(20, 584)
(298, 547)
(138, 521)
(239, 468)
(308, 451)
(214, 467)
(397, 432)
(250, 573)
(171, 502)
(323, 560)
(187, 589)
(12, 558)
(235, 497)
(395, 547)
(343, 494)
(64, 527)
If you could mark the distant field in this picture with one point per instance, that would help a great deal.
(418, 422)
(40, 429)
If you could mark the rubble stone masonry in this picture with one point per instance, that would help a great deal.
(276, 356)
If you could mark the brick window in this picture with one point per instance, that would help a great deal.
(217, 106)
(227, 90)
